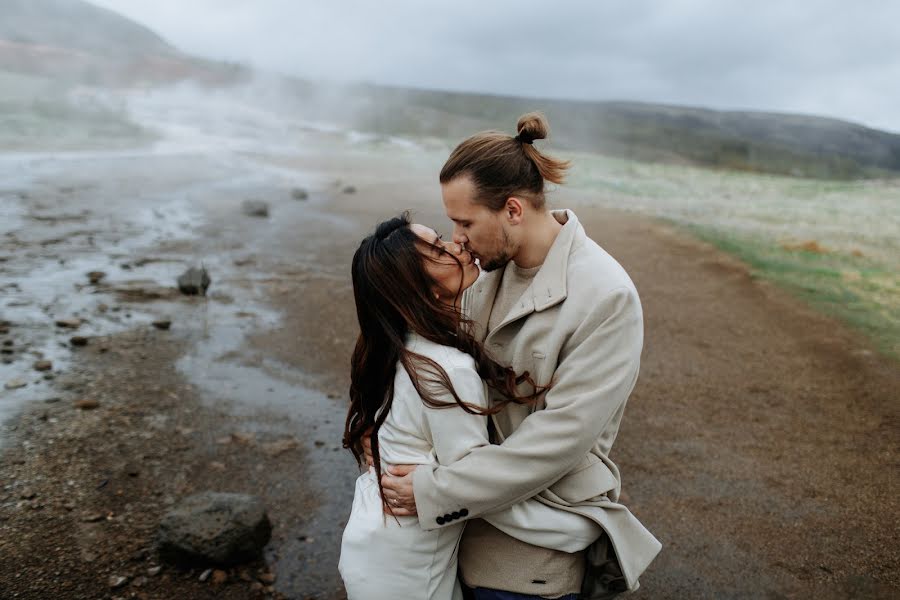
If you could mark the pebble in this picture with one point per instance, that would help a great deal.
(162, 324)
(69, 323)
(267, 578)
(86, 404)
(117, 581)
(78, 340)
(205, 574)
(154, 571)
(14, 384)
(219, 577)
(96, 276)
(43, 365)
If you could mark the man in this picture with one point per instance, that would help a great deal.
(553, 303)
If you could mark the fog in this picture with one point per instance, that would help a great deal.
(827, 58)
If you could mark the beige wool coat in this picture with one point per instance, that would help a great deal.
(579, 325)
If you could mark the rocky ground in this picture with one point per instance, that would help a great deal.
(760, 444)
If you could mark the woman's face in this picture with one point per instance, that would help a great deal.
(443, 264)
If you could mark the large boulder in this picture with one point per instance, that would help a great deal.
(214, 528)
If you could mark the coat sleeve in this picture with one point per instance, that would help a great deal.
(596, 372)
(454, 433)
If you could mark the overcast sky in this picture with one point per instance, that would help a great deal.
(836, 58)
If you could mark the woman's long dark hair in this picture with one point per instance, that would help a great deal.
(393, 293)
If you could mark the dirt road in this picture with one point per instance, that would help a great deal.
(760, 444)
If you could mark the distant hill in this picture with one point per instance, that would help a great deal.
(75, 41)
(788, 144)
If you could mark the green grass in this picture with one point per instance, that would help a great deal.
(859, 291)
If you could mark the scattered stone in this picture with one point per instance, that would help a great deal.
(255, 208)
(28, 494)
(93, 517)
(7, 342)
(102, 308)
(244, 439)
(319, 443)
(267, 578)
(86, 404)
(217, 466)
(214, 528)
(141, 292)
(53, 400)
(139, 581)
(219, 577)
(299, 193)
(194, 281)
(69, 323)
(78, 340)
(132, 470)
(205, 575)
(256, 586)
(154, 571)
(163, 324)
(279, 447)
(14, 384)
(95, 276)
(43, 365)
(349, 189)
(117, 581)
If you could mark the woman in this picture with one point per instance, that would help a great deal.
(419, 384)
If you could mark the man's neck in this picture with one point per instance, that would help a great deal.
(538, 241)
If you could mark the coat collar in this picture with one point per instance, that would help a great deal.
(548, 288)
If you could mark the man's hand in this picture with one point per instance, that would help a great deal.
(367, 447)
(397, 484)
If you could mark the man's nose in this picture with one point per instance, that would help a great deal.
(459, 237)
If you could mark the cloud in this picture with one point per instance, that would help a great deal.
(826, 57)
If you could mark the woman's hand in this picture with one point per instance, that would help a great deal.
(397, 485)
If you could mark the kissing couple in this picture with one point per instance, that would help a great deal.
(488, 383)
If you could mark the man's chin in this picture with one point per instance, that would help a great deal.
(494, 264)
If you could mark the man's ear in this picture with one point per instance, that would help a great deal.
(513, 211)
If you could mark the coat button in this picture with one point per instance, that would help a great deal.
(455, 514)
(464, 512)
(440, 520)
(447, 518)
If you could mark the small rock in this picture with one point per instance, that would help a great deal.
(14, 384)
(278, 448)
(217, 466)
(349, 189)
(139, 581)
(28, 494)
(86, 404)
(95, 276)
(244, 439)
(255, 208)
(43, 365)
(219, 577)
(102, 308)
(299, 194)
(162, 324)
(7, 342)
(69, 323)
(205, 575)
(194, 282)
(267, 578)
(154, 571)
(78, 340)
(256, 586)
(93, 518)
(117, 581)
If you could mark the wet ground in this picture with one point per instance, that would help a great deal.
(760, 444)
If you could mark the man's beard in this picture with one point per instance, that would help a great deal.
(497, 262)
(501, 259)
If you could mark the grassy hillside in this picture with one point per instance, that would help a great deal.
(760, 142)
